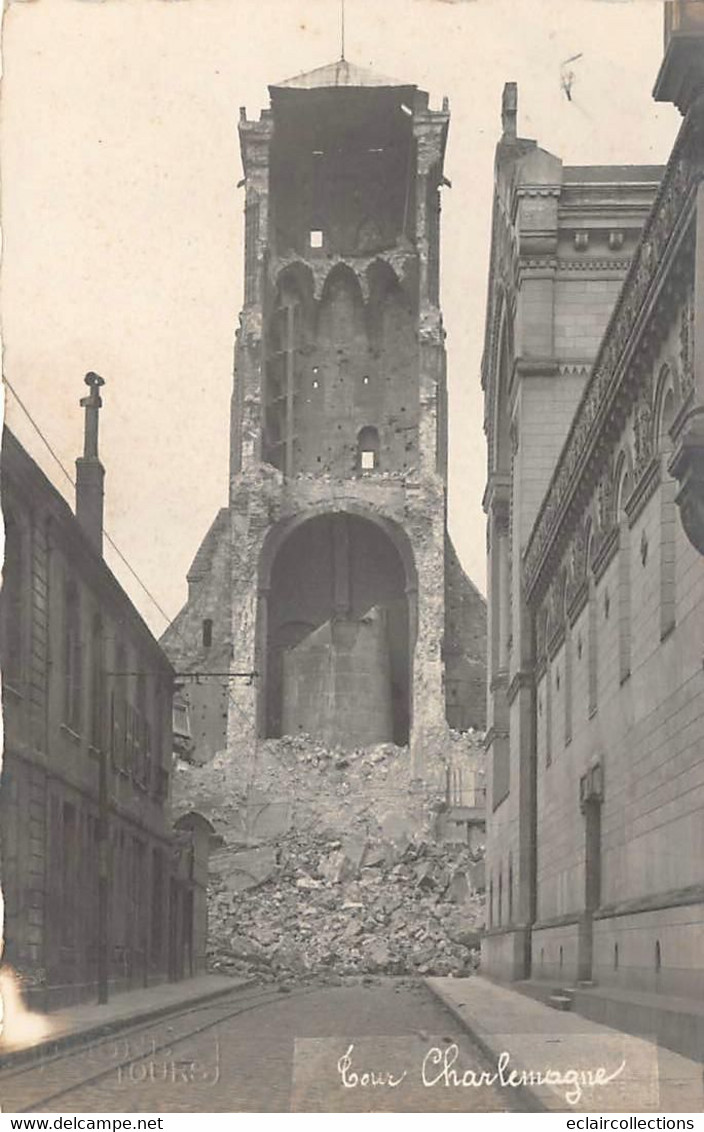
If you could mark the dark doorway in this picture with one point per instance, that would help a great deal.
(338, 649)
(592, 885)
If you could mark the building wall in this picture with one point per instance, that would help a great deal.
(621, 687)
(199, 640)
(83, 680)
(562, 241)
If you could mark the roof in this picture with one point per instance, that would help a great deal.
(338, 74)
(608, 174)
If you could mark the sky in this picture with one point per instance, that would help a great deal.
(122, 219)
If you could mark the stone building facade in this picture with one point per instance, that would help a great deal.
(329, 582)
(594, 390)
(96, 890)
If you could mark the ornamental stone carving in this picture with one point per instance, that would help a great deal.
(612, 378)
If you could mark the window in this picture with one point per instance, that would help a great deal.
(12, 590)
(207, 633)
(368, 449)
(548, 714)
(316, 238)
(668, 521)
(96, 683)
(141, 740)
(510, 888)
(72, 658)
(119, 708)
(568, 682)
(69, 866)
(592, 640)
(624, 582)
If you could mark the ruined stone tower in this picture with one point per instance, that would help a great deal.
(327, 575)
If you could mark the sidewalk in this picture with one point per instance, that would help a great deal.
(39, 1034)
(570, 1058)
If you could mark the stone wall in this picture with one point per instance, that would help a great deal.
(464, 647)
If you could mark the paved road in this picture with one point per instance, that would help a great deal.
(386, 1045)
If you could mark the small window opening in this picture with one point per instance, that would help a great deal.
(365, 379)
(207, 633)
(368, 449)
(615, 957)
(561, 957)
(316, 238)
(658, 957)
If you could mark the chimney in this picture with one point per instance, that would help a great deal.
(90, 473)
(509, 111)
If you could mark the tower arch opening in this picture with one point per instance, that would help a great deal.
(336, 639)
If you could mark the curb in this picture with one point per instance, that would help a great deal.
(523, 1094)
(51, 1046)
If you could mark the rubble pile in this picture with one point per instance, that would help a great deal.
(315, 904)
(299, 782)
(328, 859)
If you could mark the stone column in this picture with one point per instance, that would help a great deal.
(255, 140)
(425, 524)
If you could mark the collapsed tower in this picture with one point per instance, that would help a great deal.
(329, 582)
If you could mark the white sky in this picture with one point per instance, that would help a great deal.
(123, 224)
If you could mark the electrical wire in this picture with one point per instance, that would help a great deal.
(169, 620)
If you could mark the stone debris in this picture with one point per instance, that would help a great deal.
(348, 908)
(329, 861)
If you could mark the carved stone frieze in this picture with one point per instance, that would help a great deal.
(666, 242)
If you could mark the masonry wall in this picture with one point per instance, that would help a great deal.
(621, 688)
(464, 647)
(337, 683)
(199, 640)
(83, 680)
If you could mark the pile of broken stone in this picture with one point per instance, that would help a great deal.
(321, 906)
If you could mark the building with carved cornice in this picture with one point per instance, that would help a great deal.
(593, 374)
(328, 587)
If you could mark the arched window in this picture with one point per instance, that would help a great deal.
(368, 449)
(592, 638)
(207, 633)
(668, 518)
(569, 649)
(624, 575)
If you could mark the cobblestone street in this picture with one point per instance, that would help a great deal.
(307, 1049)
